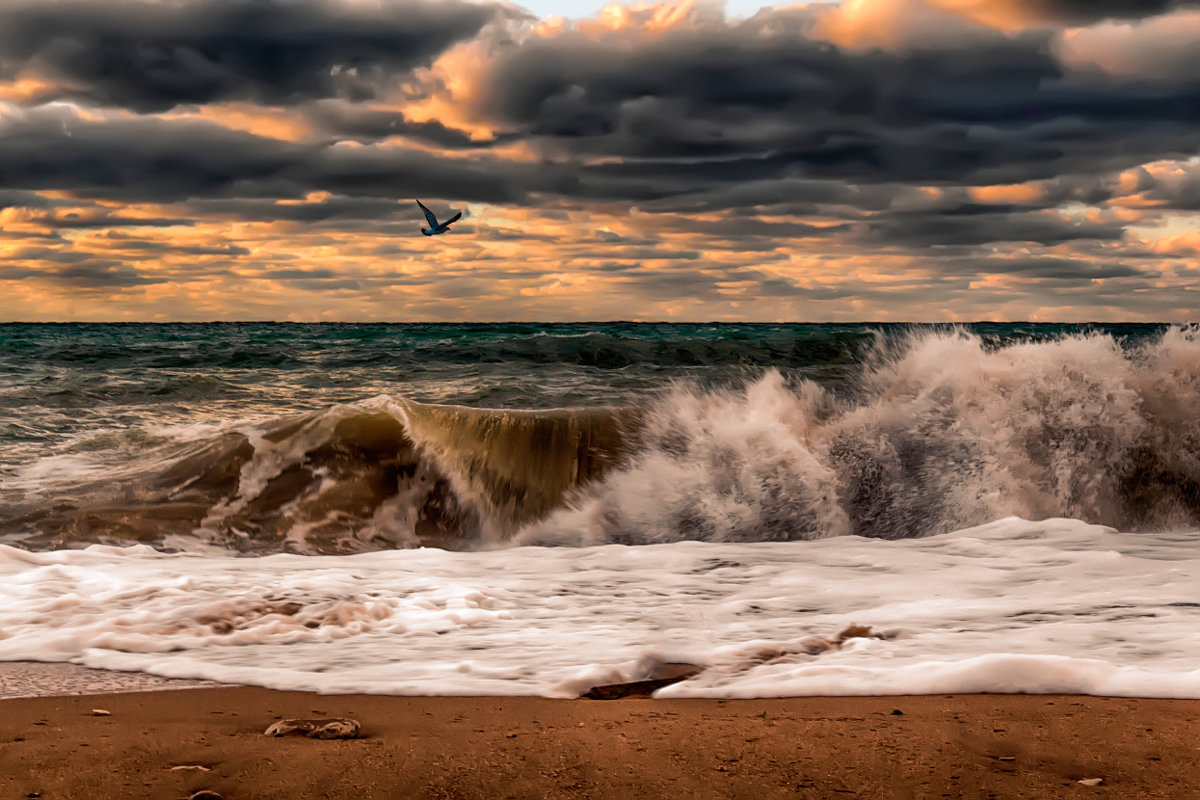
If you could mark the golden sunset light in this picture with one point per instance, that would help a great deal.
(914, 159)
(585, 400)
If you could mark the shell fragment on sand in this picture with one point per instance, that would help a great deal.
(333, 728)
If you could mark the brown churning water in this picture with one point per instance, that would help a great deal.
(349, 479)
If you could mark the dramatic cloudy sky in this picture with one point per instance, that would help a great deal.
(862, 160)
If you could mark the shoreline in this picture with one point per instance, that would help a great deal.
(26, 679)
(171, 743)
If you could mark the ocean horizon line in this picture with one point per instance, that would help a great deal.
(948, 323)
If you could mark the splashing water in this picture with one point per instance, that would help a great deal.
(936, 431)
(942, 433)
(735, 519)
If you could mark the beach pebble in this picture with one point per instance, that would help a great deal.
(333, 728)
(1092, 781)
(101, 712)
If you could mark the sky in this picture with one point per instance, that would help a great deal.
(583, 9)
(868, 160)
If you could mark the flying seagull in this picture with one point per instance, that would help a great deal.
(436, 227)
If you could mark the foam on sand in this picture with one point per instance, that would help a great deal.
(1053, 606)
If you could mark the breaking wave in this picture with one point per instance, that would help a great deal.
(937, 431)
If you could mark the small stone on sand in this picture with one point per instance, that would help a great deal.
(332, 728)
(101, 712)
(1092, 781)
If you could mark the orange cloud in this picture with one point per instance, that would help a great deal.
(27, 90)
(1003, 14)
(887, 24)
(327, 256)
(452, 88)
(648, 18)
(273, 123)
(1183, 244)
(1017, 193)
(1157, 48)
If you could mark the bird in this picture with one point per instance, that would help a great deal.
(436, 227)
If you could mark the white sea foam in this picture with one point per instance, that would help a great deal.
(940, 433)
(1053, 606)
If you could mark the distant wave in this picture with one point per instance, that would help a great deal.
(281, 348)
(936, 431)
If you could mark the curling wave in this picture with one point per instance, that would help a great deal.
(938, 431)
(382, 473)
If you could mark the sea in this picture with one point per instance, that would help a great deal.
(537, 509)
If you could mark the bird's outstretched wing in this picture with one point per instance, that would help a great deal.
(455, 218)
(433, 223)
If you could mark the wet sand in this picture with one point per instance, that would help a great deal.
(169, 744)
(36, 679)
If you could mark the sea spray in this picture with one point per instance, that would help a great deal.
(935, 430)
(768, 442)
(939, 433)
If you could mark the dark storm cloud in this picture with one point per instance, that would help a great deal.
(10, 198)
(73, 220)
(337, 210)
(1088, 11)
(914, 230)
(75, 269)
(1043, 268)
(347, 121)
(742, 103)
(103, 274)
(748, 116)
(784, 195)
(151, 159)
(724, 284)
(1181, 193)
(301, 274)
(136, 159)
(313, 280)
(49, 254)
(124, 244)
(42, 236)
(152, 56)
(390, 172)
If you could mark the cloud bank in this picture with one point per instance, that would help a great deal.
(870, 159)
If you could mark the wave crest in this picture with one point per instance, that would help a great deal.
(940, 433)
(937, 431)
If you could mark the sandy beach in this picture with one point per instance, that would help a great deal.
(171, 743)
